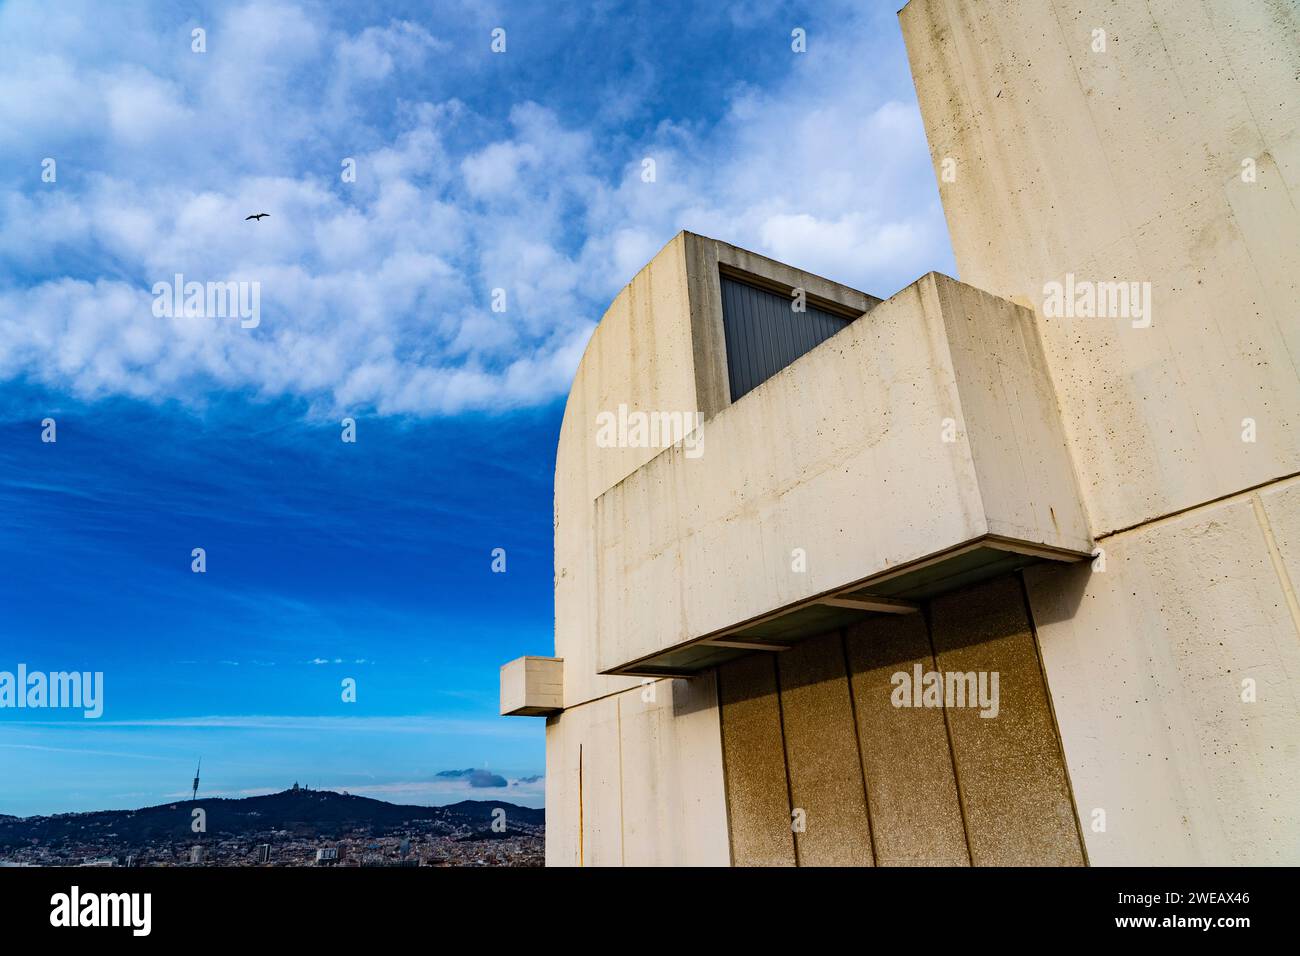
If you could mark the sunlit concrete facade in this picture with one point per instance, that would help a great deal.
(1172, 157)
(1102, 511)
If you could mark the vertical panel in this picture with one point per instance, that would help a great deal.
(674, 810)
(1146, 663)
(822, 751)
(754, 757)
(763, 335)
(599, 799)
(1056, 126)
(1009, 767)
(561, 794)
(911, 791)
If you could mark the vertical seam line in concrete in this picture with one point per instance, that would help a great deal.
(952, 750)
(1051, 710)
(726, 783)
(1275, 555)
(622, 837)
(785, 760)
(857, 740)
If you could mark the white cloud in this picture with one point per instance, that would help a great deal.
(374, 53)
(143, 108)
(376, 294)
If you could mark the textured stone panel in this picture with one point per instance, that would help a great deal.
(754, 757)
(911, 791)
(1010, 771)
(822, 751)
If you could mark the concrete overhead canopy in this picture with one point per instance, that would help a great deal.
(914, 451)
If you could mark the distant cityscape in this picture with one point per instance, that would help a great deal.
(295, 827)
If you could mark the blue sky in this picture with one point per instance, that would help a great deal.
(475, 171)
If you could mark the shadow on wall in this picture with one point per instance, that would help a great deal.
(923, 739)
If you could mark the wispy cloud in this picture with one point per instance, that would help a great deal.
(130, 755)
(325, 724)
(377, 294)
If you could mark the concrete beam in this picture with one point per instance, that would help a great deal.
(532, 687)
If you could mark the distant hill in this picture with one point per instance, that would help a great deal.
(307, 812)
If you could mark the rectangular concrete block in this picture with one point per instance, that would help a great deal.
(911, 792)
(885, 425)
(532, 687)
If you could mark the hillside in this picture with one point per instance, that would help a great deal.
(306, 812)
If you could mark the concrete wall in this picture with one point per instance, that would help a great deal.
(1127, 164)
(658, 348)
(654, 548)
(906, 756)
(814, 732)
(1146, 661)
(635, 779)
(686, 547)
(641, 354)
(658, 767)
(651, 780)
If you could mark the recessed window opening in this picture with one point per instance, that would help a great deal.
(764, 333)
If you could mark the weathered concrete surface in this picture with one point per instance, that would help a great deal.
(641, 354)
(532, 686)
(877, 781)
(1010, 771)
(1126, 165)
(655, 349)
(1278, 509)
(849, 436)
(906, 761)
(636, 779)
(821, 746)
(674, 808)
(583, 787)
(1170, 157)
(1146, 661)
(654, 548)
(754, 754)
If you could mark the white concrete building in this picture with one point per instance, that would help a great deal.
(998, 571)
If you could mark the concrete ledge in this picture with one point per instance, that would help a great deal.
(532, 687)
(917, 451)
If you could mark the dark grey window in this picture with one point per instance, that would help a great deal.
(764, 334)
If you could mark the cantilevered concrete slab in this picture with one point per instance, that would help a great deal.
(915, 452)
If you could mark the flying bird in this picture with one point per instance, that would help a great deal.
(257, 215)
